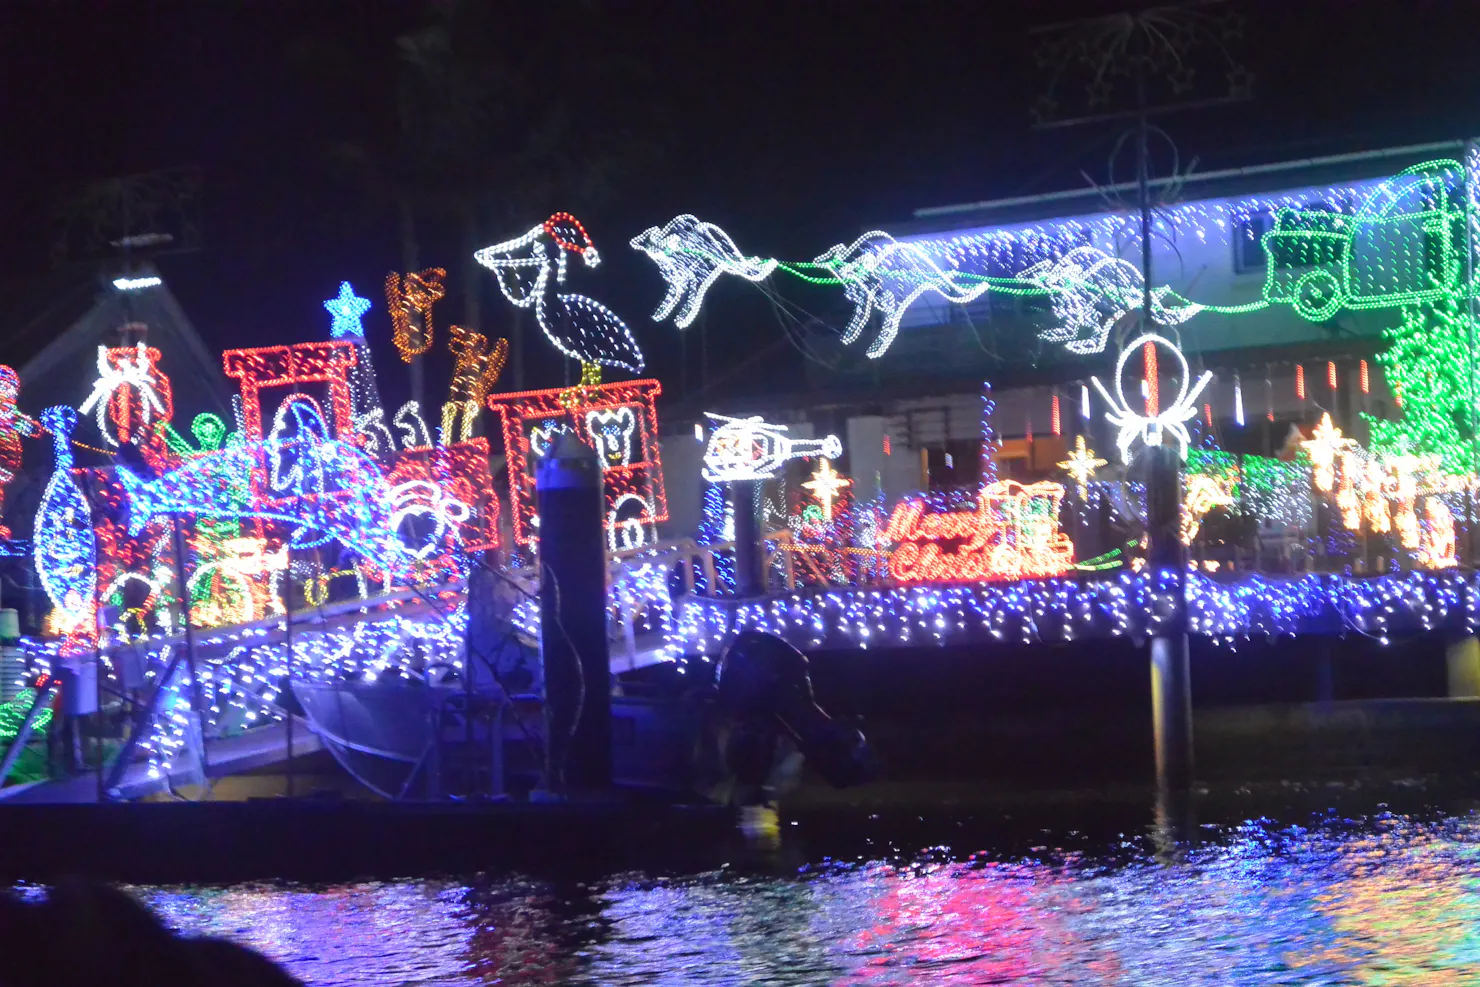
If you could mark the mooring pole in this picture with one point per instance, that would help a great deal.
(573, 638)
(750, 577)
(1171, 680)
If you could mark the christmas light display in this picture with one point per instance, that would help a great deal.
(1092, 291)
(826, 485)
(129, 391)
(630, 456)
(322, 488)
(410, 298)
(1148, 427)
(1011, 533)
(753, 449)
(881, 274)
(266, 367)
(65, 544)
(14, 426)
(414, 431)
(347, 308)
(460, 472)
(1429, 362)
(1238, 399)
(691, 255)
(1324, 445)
(1403, 246)
(137, 284)
(1204, 492)
(475, 371)
(1081, 464)
(579, 327)
(1058, 610)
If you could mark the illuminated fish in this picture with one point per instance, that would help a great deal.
(65, 544)
(325, 489)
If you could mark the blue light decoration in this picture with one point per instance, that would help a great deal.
(1063, 610)
(324, 488)
(717, 526)
(66, 548)
(347, 309)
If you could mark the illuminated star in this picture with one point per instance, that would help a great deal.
(825, 485)
(347, 309)
(1325, 442)
(1081, 464)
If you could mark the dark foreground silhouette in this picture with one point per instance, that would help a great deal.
(87, 934)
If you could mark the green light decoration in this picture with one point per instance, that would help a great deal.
(13, 714)
(1430, 366)
(1215, 463)
(1404, 246)
(209, 431)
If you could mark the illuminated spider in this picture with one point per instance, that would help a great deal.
(1148, 428)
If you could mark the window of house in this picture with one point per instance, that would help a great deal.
(1248, 243)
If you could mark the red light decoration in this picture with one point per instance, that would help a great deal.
(410, 298)
(1300, 381)
(1208, 414)
(1011, 533)
(284, 366)
(1056, 421)
(460, 469)
(1331, 374)
(568, 233)
(1151, 378)
(14, 425)
(1366, 379)
(620, 420)
(888, 447)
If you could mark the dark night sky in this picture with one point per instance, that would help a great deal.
(793, 125)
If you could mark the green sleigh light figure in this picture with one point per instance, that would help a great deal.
(1404, 246)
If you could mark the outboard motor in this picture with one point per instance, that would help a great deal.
(765, 693)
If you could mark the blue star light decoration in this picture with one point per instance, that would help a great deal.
(347, 310)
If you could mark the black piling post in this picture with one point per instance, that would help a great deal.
(750, 577)
(1171, 678)
(573, 637)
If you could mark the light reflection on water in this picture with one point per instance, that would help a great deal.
(1391, 902)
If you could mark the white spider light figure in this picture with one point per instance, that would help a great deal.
(129, 373)
(1148, 428)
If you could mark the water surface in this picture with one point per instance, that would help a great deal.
(1382, 900)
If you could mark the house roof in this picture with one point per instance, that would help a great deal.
(1246, 179)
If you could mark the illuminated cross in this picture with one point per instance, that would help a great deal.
(1081, 464)
(825, 485)
(347, 309)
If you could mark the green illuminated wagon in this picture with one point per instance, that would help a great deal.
(1404, 246)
